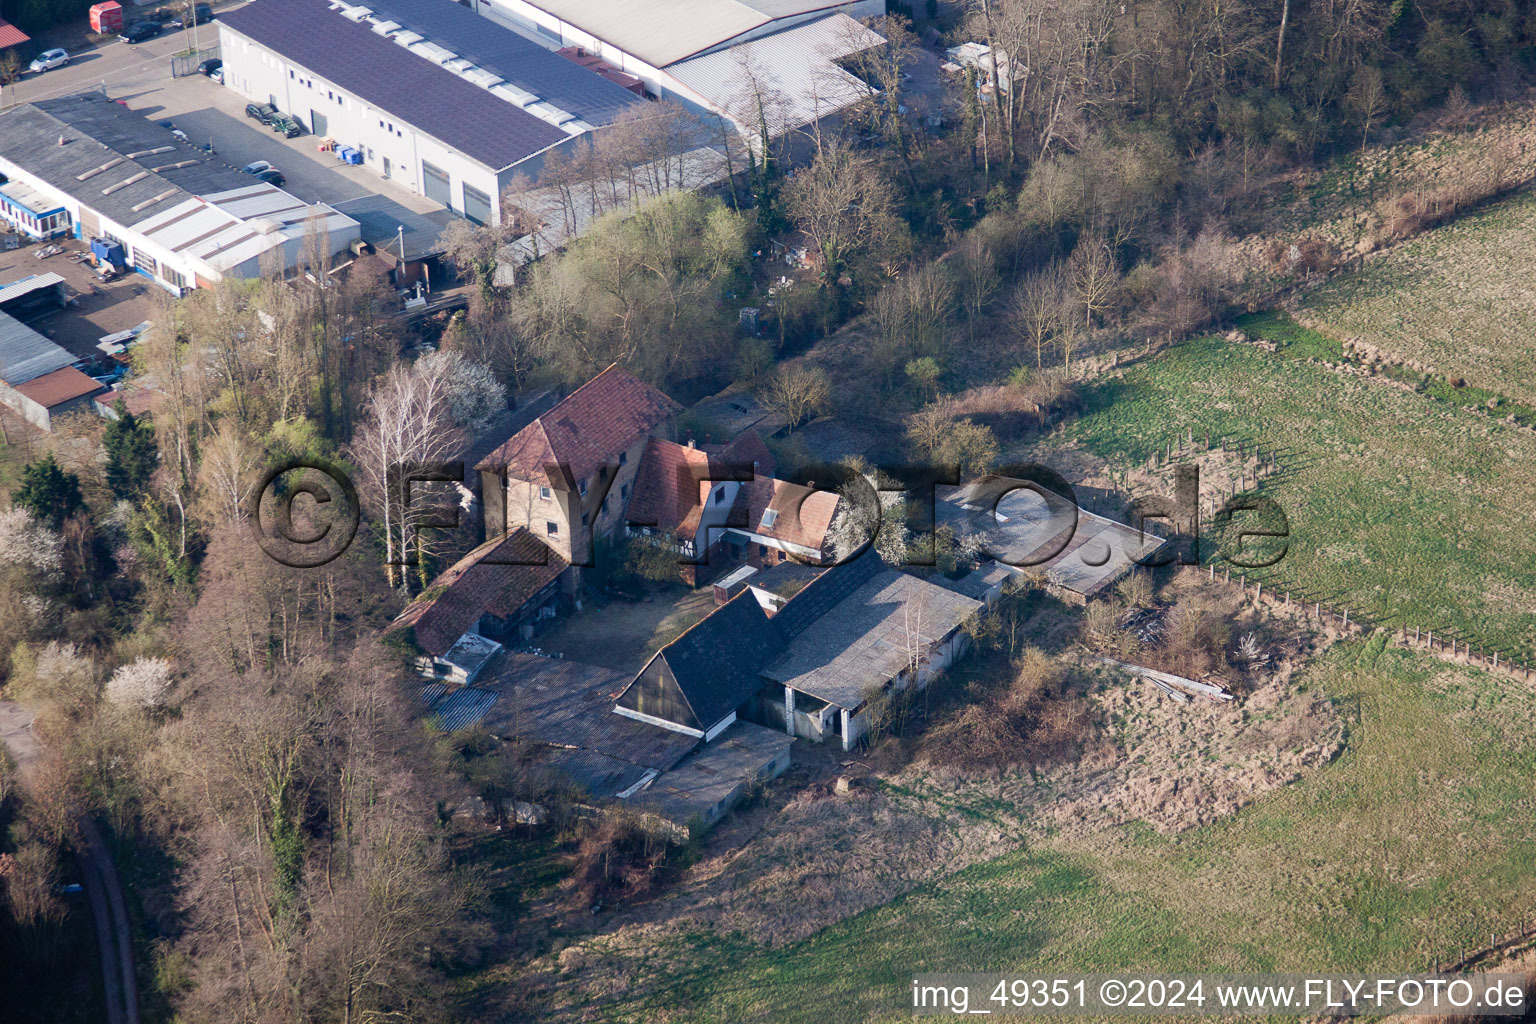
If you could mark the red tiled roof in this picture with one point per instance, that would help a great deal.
(673, 482)
(58, 387)
(587, 430)
(748, 447)
(140, 399)
(10, 35)
(671, 486)
(478, 584)
(802, 515)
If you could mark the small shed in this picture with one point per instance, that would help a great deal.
(728, 587)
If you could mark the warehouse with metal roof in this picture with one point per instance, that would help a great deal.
(716, 56)
(441, 101)
(91, 168)
(36, 376)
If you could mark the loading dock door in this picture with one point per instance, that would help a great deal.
(318, 125)
(436, 186)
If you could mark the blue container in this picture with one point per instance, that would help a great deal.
(108, 252)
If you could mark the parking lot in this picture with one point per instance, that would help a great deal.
(140, 76)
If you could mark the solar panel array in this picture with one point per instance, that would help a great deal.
(408, 87)
(503, 52)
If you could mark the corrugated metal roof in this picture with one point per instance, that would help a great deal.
(795, 70)
(16, 289)
(661, 31)
(507, 55)
(26, 355)
(411, 89)
(463, 708)
(225, 229)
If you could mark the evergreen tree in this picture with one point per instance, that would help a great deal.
(49, 493)
(131, 453)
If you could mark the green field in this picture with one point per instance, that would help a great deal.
(1458, 301)
(1401, 507)
(1412, 841)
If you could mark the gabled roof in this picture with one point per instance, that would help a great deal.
(10, 35)
(869, 637)
(823, 593)
(717, 661)
(792, 513)
(502, 52)
(672, 486)
(597, 421)
(488, 129)
(481, 582)
(748, 447)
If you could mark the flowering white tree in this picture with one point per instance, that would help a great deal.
(26, 543)
(418, 414)
(143, 684)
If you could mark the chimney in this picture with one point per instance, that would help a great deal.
(61, 140)
(692, 443)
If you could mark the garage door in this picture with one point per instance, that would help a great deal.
(435, 182)
(318, 124)
(477, 205)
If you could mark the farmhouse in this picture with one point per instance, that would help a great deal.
(567, 476)
(715, 508)
(89, 167)
(450, 105)
(502, 590)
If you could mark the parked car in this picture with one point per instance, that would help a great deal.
(140, 31)
(263, 112)
(201, 16)
(48, 60)
(209, 66)
(216, 75)
(258, 167)
(273, 177)
(289, 127)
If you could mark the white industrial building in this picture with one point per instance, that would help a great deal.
(445, 103)
(696, 51)
(87, 166)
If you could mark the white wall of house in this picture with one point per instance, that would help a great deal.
(406, 153)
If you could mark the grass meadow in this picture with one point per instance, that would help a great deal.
(1401, 508)
(1457, 301)
(1412, 841)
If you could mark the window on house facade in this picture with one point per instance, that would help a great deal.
(623, 458)
(544, 493)
(582, 487)
(624, 491)
(551, 527)
(173, 278)
(719, 495)
(586, 519)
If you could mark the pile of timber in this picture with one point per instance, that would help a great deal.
(1177, 687)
